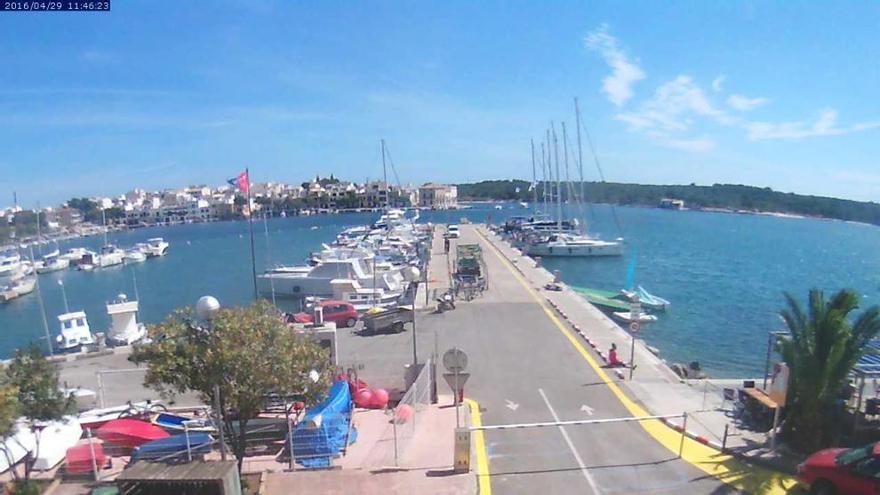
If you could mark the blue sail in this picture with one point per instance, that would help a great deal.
(631, 272)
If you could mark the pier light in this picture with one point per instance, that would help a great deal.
(412, 274)
(207, 307)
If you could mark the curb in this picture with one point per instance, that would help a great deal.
(693, 436)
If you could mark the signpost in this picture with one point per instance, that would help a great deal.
(455, 361)
(635, 314)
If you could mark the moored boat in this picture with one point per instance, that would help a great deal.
(129, 433)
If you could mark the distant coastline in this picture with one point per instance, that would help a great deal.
(721, 198)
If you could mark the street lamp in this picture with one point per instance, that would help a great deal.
(412, 275)
(207, 308)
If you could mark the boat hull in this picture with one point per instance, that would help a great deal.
(576, 250)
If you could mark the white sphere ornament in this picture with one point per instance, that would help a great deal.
(207, 307)
(411, 273)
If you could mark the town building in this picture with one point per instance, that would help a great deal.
(438, 196)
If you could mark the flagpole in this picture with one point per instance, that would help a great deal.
(247, 174)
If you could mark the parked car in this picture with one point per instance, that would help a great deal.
(341, 313)
(842, 471)
(452, 232)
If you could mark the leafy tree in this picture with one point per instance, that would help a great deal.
(9, 413)
(823, 348)
(248, 352)
(39, 397)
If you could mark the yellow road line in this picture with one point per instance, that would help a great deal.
(724, 467)
(484, 482)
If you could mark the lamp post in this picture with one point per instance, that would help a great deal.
(206, 309)
(413, 275)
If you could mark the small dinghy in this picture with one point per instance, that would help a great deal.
(174, 449)
(54, 440)
(130, 433)
(79, 457)
(627, 317)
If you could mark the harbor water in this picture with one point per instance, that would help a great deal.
(725, 274)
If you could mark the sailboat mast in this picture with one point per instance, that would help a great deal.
(577, 119)
(104, 221)
(544, 175)
(534, 175)
(549, 168)
(384, 174)
(558, 183)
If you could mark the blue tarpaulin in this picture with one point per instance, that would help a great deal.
(322, 433)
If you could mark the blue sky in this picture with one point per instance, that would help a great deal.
(162, 94)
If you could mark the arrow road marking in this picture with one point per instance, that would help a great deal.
(587, 409)
(513, 406)
(577, 456)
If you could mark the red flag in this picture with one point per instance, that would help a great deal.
(242, 181)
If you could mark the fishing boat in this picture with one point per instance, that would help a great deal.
(10, 267)
(125, 329)
(54, 439)
(129, 433)
(75, 331)
(18, 288)
(627, 317)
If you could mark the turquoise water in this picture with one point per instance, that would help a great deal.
(724, 273)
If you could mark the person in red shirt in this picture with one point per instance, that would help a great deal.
(613, 360)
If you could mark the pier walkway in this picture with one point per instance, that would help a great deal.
(527, 365)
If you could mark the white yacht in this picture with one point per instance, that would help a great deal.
(10, 267)
(157, 246)
(110, 256)
(574, 245)
(363, 298)
(74, 255)
(53, 262)
(75, 331)
(134, 255)
(124, 326)
(302, 281)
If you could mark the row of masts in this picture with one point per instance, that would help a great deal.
(550, 158)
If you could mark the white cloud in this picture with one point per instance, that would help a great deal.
(625, 72)
(825, 125)
(717, 83)
(696, 145)
(744, 103)
(673, 108)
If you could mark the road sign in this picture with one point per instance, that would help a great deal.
(456, 382)
(634, 326)
(455, 360)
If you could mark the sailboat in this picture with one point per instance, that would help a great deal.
(563, 242)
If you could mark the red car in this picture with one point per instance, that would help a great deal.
(339, 312)
(842, 471)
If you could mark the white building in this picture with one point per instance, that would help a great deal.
(438, 196)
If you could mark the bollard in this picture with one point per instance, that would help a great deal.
(462, 454)
(684, 425)
(724, 440)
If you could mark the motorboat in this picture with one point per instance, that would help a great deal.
(75, 331)
(573, 245)
(10, 267)
(18, 288)
(134, 256)
(130, 433)
(523, 204)
(53, 262)
(95, 418)
(363, 298)
(110, 256)
(157, 246)
(301, 281)
(124, 327)
(54, 438)
(627, 317)
(74, 255)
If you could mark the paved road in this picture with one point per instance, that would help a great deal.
(523, 369)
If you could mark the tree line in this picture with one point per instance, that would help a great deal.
(727, 196)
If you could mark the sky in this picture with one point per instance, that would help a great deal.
(159, 94)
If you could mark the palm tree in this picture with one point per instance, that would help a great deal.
(823, 348)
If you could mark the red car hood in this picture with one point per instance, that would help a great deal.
(824, 458)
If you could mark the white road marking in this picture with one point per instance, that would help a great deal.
(513, 406)
(587, 409)
(577, 456)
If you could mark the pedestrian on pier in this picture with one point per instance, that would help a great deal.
(613, 360)
(446, 245)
